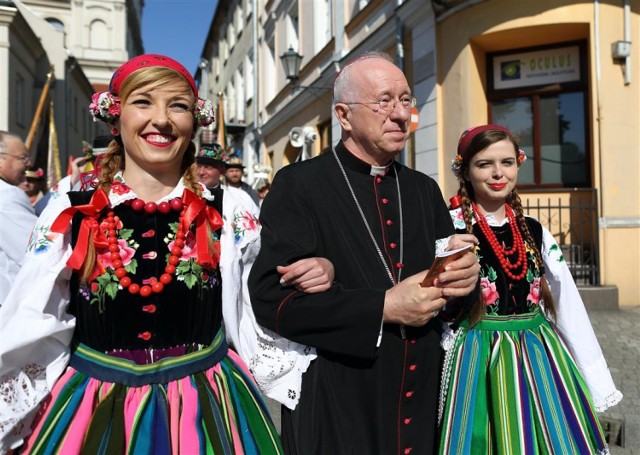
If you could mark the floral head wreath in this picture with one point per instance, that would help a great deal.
(105, 106)
(465, 139)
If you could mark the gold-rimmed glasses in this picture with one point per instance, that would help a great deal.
(389, 105)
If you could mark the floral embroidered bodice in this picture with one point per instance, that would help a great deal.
(109, 317)
(502, 295)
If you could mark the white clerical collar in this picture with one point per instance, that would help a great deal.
(378, 170)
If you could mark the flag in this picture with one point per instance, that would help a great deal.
(222, 129)
(54, 172)
(35, 132)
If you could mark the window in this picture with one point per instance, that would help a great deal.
(230, 102)
(292, 26)
(239, 96)
(549, 118)
(58, 25)
(231, 35)
(322, 31)
(98, 35)
(248, 76)
(270, 71)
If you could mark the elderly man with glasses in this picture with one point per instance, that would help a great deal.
(17, 217)
(373, 385)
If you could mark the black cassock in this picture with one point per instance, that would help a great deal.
(357, 397)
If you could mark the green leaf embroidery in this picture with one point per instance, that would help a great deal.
(131, 266)
(124, 234)
(190, 280)
(111, 290)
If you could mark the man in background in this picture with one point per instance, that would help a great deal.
(17, 217)
(233, 177)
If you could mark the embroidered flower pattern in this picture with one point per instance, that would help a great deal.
(534, 292)
(120, 188)
(107, 283)
(41, 239)
(188, 270)
(189, 249)
(242, 223)
(488, 288)
(458, 218)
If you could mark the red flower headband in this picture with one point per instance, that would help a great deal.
(144, 61)
(468, 135)
(105, 106)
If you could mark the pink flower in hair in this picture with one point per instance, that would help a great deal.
(105, 107)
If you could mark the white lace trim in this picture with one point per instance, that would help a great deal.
(278, 366)
(20, 396)
(610, 400)
(448, 343)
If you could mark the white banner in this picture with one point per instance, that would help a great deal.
(549, 66)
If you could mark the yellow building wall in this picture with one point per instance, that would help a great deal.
(464, 38)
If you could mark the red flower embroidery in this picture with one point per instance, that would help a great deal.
(249, 222)
(120, 188)
(534, 291)
(126, 254)
(489, 293)
(189, 249)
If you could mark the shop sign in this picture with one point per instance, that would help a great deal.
(548, 66)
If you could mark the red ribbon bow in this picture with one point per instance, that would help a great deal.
(199, 212)
(88, 228)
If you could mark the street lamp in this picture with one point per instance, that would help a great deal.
(291, 61)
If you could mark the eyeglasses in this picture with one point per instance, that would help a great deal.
(385, 105)
(24, 158)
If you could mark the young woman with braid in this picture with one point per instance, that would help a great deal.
(523, 371)
(113, 333)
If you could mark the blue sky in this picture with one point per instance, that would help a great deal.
(177, 28)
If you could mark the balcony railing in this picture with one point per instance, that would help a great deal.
(572, 218)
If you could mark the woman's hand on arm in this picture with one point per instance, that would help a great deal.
(310, 275)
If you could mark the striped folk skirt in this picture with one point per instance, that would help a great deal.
(510, 386)
(203, 402)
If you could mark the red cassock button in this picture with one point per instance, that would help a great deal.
(389, 222)
(407, 421)
(409, 394)
(385, 200)
(407, 451)
(378, 180)
(412, 368)
(392, 246)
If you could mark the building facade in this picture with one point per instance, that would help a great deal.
(562, 75)
(66, 39)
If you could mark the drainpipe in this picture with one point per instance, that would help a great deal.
(627, 38)
(602, 222)
(400, 63)
(255, 152)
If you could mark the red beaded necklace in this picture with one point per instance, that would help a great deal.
(155, 285)
(500, 251)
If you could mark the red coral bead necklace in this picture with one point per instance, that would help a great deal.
(502, 253)
(155, 285)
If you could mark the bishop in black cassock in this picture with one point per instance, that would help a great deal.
(369, 391)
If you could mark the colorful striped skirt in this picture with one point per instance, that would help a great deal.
(510, 386)
(203, 402)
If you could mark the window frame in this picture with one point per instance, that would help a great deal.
(535, 93)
